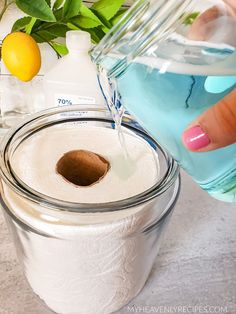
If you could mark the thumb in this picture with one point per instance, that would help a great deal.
(215, 128)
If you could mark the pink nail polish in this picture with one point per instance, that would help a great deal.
(195, 138)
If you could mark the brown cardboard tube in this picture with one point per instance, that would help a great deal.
(82, 167)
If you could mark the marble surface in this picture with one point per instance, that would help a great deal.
(195, 271)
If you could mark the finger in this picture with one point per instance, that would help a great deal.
(231, 7)
(215, 128)
(201, 27)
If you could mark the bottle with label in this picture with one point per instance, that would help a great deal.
(74, 78)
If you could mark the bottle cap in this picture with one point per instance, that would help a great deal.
(78, 40)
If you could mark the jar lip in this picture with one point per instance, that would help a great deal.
(168, 179)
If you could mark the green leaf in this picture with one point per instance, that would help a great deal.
(20, 24)
(86, 18)
(36, 8)
(59, 14)
(37, 38)
(58, 30)
(107, 8)
(190, 18)
(96, 34)
(104, 21)
(40, 39)
(43, 36)
(48, 2)
(105, 29)
(59, 48)
(29, 27)
(118, 16)
(72, 26)
(71, 8)
(37, 25)
(58, 4)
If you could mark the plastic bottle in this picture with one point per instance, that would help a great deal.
(73, 80)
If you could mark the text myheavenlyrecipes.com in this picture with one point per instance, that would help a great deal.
(188, 309)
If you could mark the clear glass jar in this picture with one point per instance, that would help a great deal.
(86, 258)
(19, 99)
(169, 61)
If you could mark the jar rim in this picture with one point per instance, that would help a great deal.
(168, 179)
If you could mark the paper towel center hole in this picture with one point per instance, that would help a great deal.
(82, 167)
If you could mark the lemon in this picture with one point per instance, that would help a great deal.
(21, 55)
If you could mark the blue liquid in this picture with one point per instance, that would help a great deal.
(165, 104)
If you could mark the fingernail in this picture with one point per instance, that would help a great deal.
(195, 138)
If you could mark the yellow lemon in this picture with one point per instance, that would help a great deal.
(21, 55)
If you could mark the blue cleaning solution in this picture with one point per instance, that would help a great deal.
(165, 103)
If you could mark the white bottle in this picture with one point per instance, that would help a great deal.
(74, 78)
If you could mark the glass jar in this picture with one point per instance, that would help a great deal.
(167, 62)
(19, 99)
(86, 258)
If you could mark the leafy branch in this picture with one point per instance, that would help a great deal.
(46, 22)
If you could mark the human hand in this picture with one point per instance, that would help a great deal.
(203, 26)
(216, 127)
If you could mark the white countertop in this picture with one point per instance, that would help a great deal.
(195, 271)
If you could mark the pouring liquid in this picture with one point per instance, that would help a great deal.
(166, 102)
(112, 97)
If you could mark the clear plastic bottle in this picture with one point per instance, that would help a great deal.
(74, 78)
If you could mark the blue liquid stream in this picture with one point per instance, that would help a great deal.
(165, 104)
